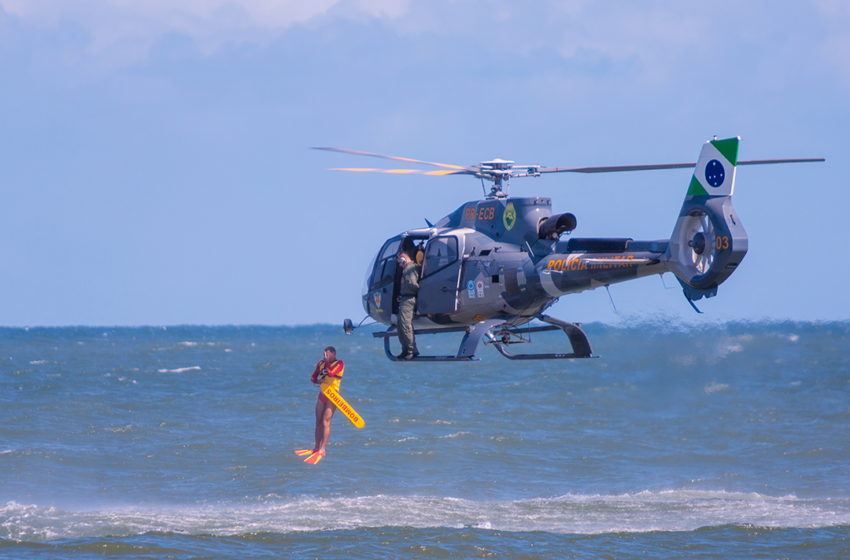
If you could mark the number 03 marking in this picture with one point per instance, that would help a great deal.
(722, 242)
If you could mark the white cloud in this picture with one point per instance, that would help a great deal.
(119, 33)
(210, 22)
(566, 25)
(662, 39)
(265, 14)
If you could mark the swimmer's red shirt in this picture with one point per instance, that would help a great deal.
(335, 370)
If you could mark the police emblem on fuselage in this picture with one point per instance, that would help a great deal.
(509, 217)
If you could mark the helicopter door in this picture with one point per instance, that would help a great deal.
(440, 276)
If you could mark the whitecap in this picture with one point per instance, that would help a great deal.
(715, 387)
(669, 510)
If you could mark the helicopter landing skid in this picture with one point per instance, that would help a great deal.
(578, 341)
(466, 351)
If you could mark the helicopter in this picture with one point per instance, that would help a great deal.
(494, 265)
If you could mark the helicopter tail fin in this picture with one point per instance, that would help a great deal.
(708, 241)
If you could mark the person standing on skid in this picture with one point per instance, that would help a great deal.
(407, 305)
(328, 372)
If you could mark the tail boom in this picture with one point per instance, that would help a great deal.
(588, 264)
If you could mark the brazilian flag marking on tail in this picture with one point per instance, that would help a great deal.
(714, 174)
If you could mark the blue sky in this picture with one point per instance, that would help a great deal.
(155, 168)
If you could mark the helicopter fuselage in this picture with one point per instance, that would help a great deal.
(502, 258)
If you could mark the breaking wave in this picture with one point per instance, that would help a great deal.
(569, 514)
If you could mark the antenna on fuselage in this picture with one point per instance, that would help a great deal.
(611, 298)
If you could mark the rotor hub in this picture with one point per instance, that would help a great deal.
(698, 243)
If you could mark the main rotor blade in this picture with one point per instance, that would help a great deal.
(616, 168)
(401, 171)
(767, 161)
(446, 165)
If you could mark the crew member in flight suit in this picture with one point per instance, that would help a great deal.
(408, 291)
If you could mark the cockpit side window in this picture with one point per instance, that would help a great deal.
(385, 265)
(440, 253)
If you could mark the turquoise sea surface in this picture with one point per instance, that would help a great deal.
(720, 441)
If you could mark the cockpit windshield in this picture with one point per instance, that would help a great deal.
(383, 269)
(391, 249)
(368, 277)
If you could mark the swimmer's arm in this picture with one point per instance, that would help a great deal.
(336, 369)
(316, 372)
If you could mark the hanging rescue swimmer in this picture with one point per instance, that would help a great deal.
(328, 372)
(407, 305)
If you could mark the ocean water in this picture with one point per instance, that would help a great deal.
(719, 441)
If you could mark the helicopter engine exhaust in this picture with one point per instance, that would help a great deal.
(553, 226)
